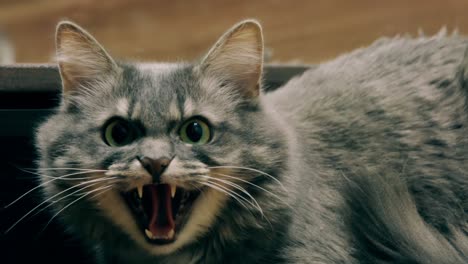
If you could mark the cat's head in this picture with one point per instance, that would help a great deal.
(160, 153)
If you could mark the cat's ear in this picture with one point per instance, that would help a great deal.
(82, 61)
(237, 58)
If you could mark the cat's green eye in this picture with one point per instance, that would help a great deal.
(195, 131)
(118, 132)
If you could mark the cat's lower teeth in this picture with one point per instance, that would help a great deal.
(150, 235)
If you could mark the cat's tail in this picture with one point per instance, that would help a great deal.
(387, 227)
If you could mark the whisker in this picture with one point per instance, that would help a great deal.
(249, 183)
(68, 195)
(246, 192)
(194, 186)
(42, 184)
(227, 191)
(250, 169)
(65, 179)
(238, 187)
(100, 191)
(50, 198)
(54, 177)
(231, 194)
(61, 168)
(209, 184)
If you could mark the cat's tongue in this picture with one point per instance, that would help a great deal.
(159, 211)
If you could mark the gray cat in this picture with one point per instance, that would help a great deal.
(360, 160)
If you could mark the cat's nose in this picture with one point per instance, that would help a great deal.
(155, 167)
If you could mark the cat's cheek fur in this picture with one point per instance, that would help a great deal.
(116, 210)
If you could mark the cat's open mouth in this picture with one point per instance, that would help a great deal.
(161, 210)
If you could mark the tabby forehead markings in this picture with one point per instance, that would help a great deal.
(189, 107)
(174, 112)
(136, 111)
(202, 109)
(122, 107)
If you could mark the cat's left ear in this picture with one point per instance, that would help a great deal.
(82, 61)
(237, 58)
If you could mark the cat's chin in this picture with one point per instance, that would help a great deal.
(160, 210)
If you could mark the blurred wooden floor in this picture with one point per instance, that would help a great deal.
(301, 30)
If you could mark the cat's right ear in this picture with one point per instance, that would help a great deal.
(237, 58)
(82, 61)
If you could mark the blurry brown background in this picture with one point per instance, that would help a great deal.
(305, 31)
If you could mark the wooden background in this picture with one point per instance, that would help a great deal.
(163, 30)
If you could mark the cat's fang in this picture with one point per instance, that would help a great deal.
(171, 233)
(149, 234)
(140, 191)
(173, 190)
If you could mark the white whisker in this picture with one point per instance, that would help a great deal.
(238, 187)
(234, 195)
(249, 183)
(216, 187)
(75, 169)
(68, 195)
(100, 191)
(47, 182)
(96, 181)
(63, 177)
(250, 169)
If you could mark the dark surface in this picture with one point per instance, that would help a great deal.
(26, 242)
(27, 96)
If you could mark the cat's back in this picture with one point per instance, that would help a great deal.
(397, 107)
(398, 94)
(391, 71)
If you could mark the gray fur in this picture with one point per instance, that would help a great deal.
(370, 147)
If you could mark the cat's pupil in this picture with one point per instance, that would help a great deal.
(120, 132)
(194, 131)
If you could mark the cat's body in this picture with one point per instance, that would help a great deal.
(344, 142)
(396, 110)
